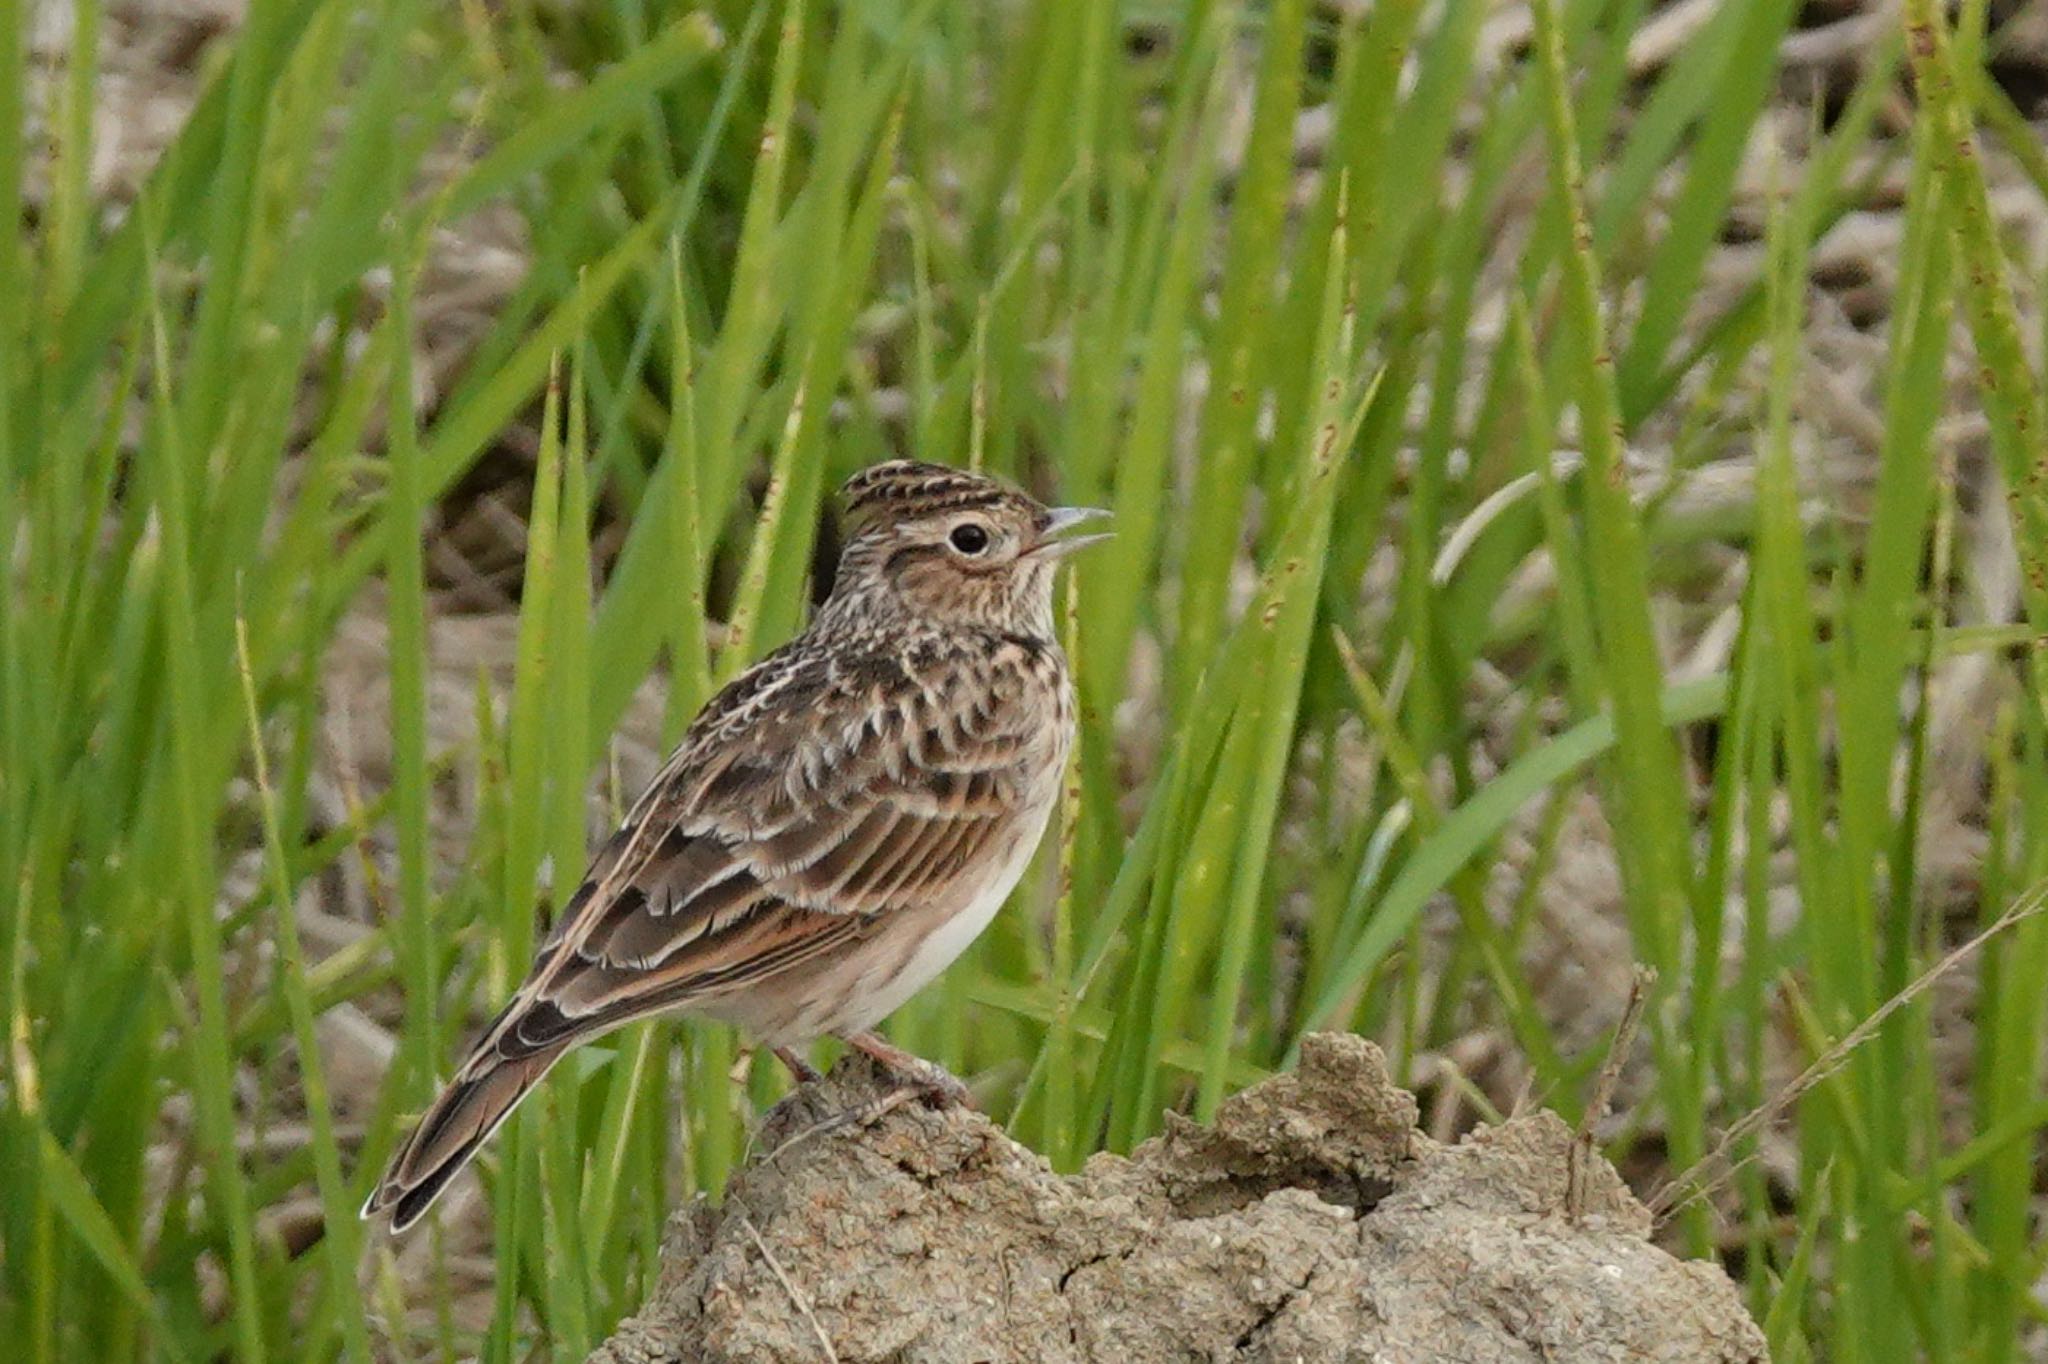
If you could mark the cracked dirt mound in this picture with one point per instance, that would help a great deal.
(1312, 1222)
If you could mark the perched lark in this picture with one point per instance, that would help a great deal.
(836, 826)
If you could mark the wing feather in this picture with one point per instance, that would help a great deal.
(813, 798)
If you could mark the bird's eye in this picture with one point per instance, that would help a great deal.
(969, 538)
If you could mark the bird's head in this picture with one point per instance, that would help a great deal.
(953, 547)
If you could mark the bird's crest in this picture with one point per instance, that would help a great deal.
(907, 489)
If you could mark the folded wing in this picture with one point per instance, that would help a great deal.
(813, 798)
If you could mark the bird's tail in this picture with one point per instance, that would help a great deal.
(459, 1121)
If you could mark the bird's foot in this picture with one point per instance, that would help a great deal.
(913, 1080)
(916, 1078)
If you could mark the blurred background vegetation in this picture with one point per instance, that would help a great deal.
(1582, 487)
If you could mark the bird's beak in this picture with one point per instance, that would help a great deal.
(1051, 545)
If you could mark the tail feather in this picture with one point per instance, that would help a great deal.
(459, 1121)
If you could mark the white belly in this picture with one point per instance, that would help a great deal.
(942, 946)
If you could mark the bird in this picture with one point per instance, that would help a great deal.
(835, 826)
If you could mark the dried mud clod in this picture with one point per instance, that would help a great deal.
(1310, 1222)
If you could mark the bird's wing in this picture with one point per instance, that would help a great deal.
(810, 799)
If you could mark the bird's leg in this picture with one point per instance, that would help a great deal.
(803, 1070)
(915, 1079)
(800, 1070)
(938, 1086)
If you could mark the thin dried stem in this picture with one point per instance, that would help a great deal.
(803, 1304)
(1603, 1092)
(1713, 1169)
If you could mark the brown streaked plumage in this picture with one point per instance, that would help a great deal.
(836, 825)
